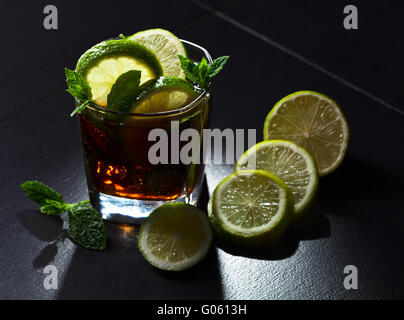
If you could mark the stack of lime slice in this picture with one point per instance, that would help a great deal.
(155, 53)
(306, 135)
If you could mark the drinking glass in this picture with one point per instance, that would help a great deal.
(122, 182)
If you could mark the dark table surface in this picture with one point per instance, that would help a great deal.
(276, 48)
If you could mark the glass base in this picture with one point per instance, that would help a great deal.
(132, 211)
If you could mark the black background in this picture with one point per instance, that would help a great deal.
(276, 47)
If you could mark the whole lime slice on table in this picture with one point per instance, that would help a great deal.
(165, 46)
(287, 161)
(175, 236)
(102, 64)
(251, 208)
(314, 122)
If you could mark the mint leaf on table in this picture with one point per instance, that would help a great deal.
(78, 87)
(54, 207)
(40, 193)
(201, 74)
(85, 227)
(124, 91)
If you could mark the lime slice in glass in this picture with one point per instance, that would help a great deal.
(166, 46)
(287, 161)
(163, 94)
(175, 236)
(314, 122)
(251, 208)
(102, 64)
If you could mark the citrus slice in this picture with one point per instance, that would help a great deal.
(163, 94)
(166, 46)
(175, 236)
(102, 64)
(287, 161)
(251, 208)
(314, 122)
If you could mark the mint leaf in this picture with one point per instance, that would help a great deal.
(201, 74)
(124, 91)
(190, 69)
(203, 69)
(86, 226)
(217, 65)
(54, 207)
(80, 107)
(40, 193)
(78, 87)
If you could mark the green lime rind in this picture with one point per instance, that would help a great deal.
(271, 233)
(311, 190)
(274, 110)
(170, 211)
(154, 86)
(121, 47)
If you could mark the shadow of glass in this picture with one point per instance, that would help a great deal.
(121, 272)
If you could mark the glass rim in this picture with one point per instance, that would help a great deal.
(188, 106)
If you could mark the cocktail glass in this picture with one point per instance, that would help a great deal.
(123, 184)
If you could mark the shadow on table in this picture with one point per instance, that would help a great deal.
(121, 272)
(359, 183)
(341, 193)
(45, 228)
(313, 225)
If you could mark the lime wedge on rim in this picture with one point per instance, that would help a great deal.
(175, 236)
(102, 64)
(251, 208)
(166, 46)
(287, 161)
(314, 122)
(163, 94)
